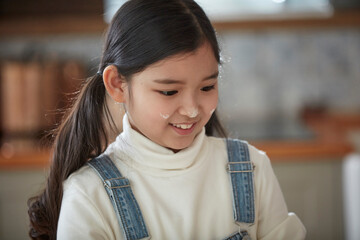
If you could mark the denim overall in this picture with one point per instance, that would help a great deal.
(128, 211)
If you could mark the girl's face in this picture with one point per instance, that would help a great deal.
(172, 100)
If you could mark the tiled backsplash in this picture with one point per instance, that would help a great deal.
(267, 73)
(275, 73)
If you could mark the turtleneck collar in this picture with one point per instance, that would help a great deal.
(148, 155)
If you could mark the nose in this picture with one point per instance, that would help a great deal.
(189, 107)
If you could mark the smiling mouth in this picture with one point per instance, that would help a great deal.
(182, 126)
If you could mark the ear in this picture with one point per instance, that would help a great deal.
(115, 84)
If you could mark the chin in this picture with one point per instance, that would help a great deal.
(180, 146)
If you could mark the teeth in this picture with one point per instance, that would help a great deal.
(182, 126)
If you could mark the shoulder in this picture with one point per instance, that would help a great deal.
(85, 203)
(257, 156)
(261, 162)
(217, 143)
(84, 192)
(262, 165)
(84, 180)
(217, 148)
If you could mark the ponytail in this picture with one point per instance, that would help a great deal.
(81, 136)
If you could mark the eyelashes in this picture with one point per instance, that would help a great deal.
(168, 93)
(171, 93)
(208, 88)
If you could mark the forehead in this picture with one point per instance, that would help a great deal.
(196, 64)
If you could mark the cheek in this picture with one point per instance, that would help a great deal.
(164, 115)
(141, 105)
(210, 104)
(165, 110)
(151, 106)
(157, 109)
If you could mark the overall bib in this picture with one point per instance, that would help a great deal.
(128, 212)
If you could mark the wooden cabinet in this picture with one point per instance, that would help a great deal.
(21, 17)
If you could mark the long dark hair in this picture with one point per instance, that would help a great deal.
(141, 33)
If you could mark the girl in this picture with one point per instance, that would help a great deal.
(164, 177)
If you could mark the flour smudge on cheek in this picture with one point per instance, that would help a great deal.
(164, 116)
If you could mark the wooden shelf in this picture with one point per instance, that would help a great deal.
(26, 160)
(95, 24)
(330, 140)
(329, 144)
(20, 17)
(52, 25)
(278, 151)
(312, 150)
(349, 18)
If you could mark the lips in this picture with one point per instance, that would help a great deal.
(183, 128)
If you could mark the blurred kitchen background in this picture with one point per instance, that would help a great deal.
(290, 85)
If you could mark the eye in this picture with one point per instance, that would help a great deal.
(208, 88)
(168, 93)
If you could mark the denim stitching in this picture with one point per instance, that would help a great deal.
(250, 187)
(236, 154)
(238, 236)
(117, 211)
(233, 179)
(242, 180)
(101, 168)
(138, 212)
(105, 168)
(122, 216)
(242, 177)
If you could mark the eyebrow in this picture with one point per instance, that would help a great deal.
(173, 81)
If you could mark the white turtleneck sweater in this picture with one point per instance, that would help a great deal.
(184, 195)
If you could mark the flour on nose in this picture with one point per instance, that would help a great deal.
(193, 113)
(164, 116)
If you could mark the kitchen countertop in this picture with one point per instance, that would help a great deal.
(323, 137)
(329, 139)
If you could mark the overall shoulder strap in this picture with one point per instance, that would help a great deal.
(122, 198)
(241, 173)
